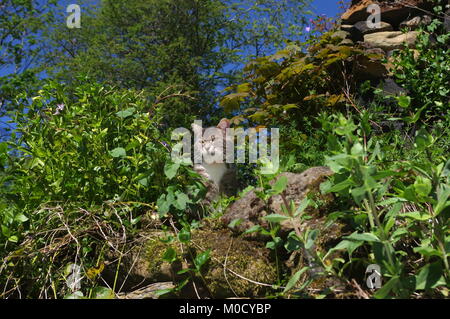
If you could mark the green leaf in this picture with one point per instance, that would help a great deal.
(341, 186)
(280, 185)
(126, 113)
(349, 245)
(404, 101)
(13, 239)
(422, 186)
(161, 292)
(430, 276)
(181, 201)
(170, 255)
(369, 237)
(415, 118)
(427, 251)
(253, 229)
(312, 236)
(294, 279)
(446, 170)
(235, 222)
(357, 149)
(201, 259)
(102, 293)
(421, 216)
(163, 204)
(118, 152)
(171, 169)
(75, 295)
(443, 193)
(276, 242)
(387, 287)
(275, 218)
(184, 236)
(303, 205)
(20, 218)
(292, 242)
(423, 139)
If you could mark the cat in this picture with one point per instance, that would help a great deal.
(220, 177)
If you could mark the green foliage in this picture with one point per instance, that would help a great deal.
(89, 165)
(86, 149)
(423, 72)
(292, 84)
(93, 155)
(21, 22)
(394, 203)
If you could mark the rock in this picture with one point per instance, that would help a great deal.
(355, 34)
(235, 264)
(148, 292)
(391, 40)
(363, 27)
(346, 27)
(370, 66)
(250, 209)
(392, 12)
(415, 22)
(142, 267)
(389, 88)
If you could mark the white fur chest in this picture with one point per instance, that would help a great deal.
(215, 171)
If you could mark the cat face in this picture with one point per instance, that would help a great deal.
(211, 143)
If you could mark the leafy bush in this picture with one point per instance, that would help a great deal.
(424, 72)
(399, 209)
(294, 85)
(84, 168)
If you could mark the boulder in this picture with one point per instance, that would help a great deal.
(355, 34)
(234, 266)
(391, 40)
(390, 88)
(370, 65)
(251, 209)
(363, 27)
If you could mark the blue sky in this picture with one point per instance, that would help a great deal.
(328, 7)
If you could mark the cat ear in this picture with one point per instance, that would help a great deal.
(224, 124)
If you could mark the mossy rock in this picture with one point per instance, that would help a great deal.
(236, 267)
(232, 260)
(141, 263)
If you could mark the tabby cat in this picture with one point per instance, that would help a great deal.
(221, 177)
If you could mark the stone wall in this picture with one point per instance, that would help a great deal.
(396, 15)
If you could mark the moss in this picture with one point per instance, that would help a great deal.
(249, 259)
(157, 269)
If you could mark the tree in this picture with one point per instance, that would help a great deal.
(187, 46)
(21, 22)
